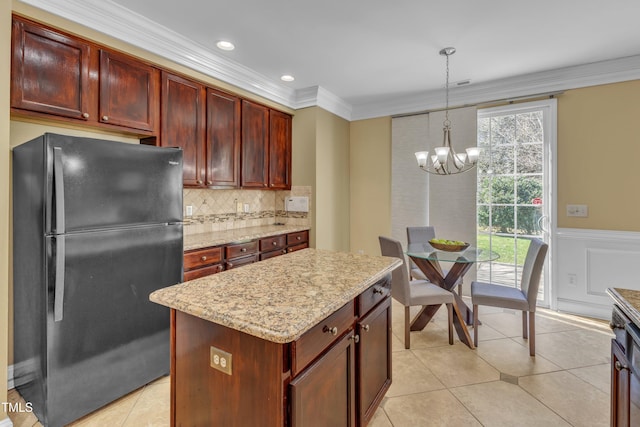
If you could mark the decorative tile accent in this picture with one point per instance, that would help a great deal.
(216, 210)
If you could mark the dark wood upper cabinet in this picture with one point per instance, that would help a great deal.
(255, 145)
(50, 72)
(223, 139)
(183, 116)
(279, 150)
(129, 94)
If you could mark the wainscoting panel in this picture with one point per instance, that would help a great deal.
(587, 262)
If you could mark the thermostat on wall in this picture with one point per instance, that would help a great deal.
(297, 204)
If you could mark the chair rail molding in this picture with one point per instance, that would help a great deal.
(587, 262)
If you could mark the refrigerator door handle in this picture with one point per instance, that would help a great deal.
(58, 290)
(58, 177)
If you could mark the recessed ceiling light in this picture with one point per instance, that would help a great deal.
(287, 78)
(225, 45)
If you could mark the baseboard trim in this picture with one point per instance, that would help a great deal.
(582, 308)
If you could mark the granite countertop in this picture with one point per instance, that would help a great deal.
(629, 301)
(281, 298)
(215, 238)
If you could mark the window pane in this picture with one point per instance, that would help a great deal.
(502, 219)
(502, 129)
(529, 189)
(502, 159)
(484, 189)
(529, 158)
(529, 127)
(483, 132)
(528, 217)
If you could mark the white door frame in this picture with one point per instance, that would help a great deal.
(550, 125)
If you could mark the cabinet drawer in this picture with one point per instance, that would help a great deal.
(239, 262)
(267, 255)
(297, 247)
(372, 296)
(272, 243)
(299, 237)
(241, 249)
(315, 341)
(204, 271)
(202, 257)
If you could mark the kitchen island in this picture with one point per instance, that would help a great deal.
(625, 357)
(300, 339)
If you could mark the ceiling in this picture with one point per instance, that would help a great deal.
(374, 57)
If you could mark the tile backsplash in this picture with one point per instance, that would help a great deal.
(216, 210)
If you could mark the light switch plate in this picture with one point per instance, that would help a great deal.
(578, 210)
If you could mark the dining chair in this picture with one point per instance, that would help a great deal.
(416, 236)
(524, 299)
(414, 292)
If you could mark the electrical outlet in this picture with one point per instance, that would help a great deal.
(239, 207)
(220, 360)
(188, 211)
(573, 279)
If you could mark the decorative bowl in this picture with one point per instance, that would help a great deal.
(448, 247)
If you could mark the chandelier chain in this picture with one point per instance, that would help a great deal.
(447, 123)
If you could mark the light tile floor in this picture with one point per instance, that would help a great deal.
(435, 384)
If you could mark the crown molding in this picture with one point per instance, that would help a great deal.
(597, 73)
(118, 22)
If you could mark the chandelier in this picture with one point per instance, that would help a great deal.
(446, 161)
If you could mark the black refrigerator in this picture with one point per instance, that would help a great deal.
(97, 227)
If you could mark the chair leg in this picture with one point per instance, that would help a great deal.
(525, 328)
(450, 313)
(407, 327)
(475, 325)
(532, 333)
(460, 288)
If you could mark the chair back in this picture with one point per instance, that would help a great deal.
(399, 277)
(419, 235)
(532, 271)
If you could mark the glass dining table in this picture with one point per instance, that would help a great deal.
(428, 260)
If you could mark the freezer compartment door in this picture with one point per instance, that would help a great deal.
(95, 184)
(111, 339)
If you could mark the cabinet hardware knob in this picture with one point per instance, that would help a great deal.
(203, 258)
(209, 182)
(355, 338)
(243, 250)
(619, 366)
(284, 251)
(199, 182)
(105, 118)
(85, 115)
(229, 265)
(378, 291)
(275, 243)
(299, 237)
(272, 185)
(332, 331)
(365, 327)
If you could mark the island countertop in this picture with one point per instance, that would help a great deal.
(281, 298)
(629, 301)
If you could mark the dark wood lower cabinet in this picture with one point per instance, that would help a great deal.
(297, 384)
(625, 371)
(324, 394)
(374, 374)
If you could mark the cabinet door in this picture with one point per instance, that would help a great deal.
(128, 92)
(182, 125)
(255, 142)
(374, 359)
(279, 150)
(324, 394)
(223, 139)
(50, 72)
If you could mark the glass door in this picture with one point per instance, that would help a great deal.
(514, 195)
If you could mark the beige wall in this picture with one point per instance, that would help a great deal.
(370, 159)
(598, 153)
(303, 159)
(5, 151)
(332, 182)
